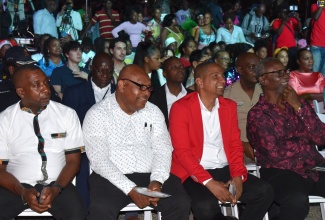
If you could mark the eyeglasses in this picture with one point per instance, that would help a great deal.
(103, 72)
(228, 60)
(280, 73)
(141, 86)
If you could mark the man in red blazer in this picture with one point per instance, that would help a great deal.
(208, 154)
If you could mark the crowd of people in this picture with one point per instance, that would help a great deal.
(177, 103)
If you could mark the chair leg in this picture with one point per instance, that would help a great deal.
(159, 215)
(234, 211)
(322, 208)
(147, 215)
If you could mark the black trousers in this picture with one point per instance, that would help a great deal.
(257, 196)
(106, 200)
(65, 206)
(291, 191)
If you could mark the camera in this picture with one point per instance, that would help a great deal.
(293, 8)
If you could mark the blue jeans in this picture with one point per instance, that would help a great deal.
(319, 59)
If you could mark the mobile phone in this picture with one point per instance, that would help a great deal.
(293, 8)
(321, 3)
(40, 199)
(232, 188)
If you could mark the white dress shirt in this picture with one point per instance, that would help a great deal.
(100, 93)
(44, 23)
(19, 144)
(214, 155)
(237, 35)
(171, 98)
(118, 143)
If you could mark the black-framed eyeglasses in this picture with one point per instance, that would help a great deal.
(103, 72)
(280, 73)
(141, 86)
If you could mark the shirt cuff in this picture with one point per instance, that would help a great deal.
(206, 181)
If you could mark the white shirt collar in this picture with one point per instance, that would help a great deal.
(100, 93)
(216, 106)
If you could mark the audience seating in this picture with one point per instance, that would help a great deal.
(319, 107)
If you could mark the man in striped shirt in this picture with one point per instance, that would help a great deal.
(107, 18)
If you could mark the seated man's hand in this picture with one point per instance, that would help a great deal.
(239, 188)
(154, 186)
(220, 190)
(49, 194)
(140, 200)
(248, 150)
(30, 196)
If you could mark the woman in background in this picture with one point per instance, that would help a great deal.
(147, 56)
(171, 30)
(132, 28)
(52, 56)
(282, 55)
(308, 84)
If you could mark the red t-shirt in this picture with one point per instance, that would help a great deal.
(286, 38)
(318, 29)
(105, 23)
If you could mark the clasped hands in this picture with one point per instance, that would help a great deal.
(220, 190)
(143, 201)
(31, 197)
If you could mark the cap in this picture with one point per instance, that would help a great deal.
(4, 42)
(19, 55)
(277, 50)
(169, 41)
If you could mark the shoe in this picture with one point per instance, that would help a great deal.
(231, 218)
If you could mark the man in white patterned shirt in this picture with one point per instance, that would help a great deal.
(128, 145)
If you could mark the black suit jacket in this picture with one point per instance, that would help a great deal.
(158, 98)
(81, 98)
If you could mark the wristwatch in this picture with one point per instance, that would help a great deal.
(58, 186)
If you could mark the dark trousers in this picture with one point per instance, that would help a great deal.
(106, 200)
(82, 180)
(257, 196)
(291, 191)
(65, 206)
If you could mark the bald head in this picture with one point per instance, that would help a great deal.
(132, 71)
(100, 58)
(133, 88)
(244, 58)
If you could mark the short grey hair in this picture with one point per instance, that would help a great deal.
(260, 69)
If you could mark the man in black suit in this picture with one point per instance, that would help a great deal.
(166, 95)
(82, 97)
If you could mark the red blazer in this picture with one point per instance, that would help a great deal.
(186, 130)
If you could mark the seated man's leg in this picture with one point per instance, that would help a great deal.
(319, 186)
(106, 200)
(257, 196)
(176, 207)
(82, 180)
(205, 206)
(68, 205)
(290, 192)
(11, 205)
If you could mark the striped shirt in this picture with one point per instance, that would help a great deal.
(105, 23)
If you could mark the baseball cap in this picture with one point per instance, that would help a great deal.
(169, 41)
(19, 55)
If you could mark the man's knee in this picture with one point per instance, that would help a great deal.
(297, 200)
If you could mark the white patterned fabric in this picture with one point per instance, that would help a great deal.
(118, 143)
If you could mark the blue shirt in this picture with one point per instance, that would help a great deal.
(48, 69)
